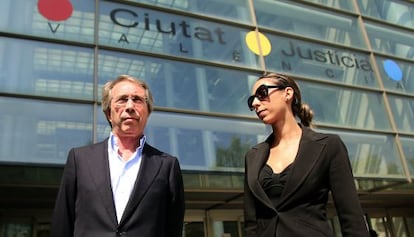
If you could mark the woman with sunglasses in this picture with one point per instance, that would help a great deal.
(288, 177)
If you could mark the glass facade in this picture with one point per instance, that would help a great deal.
(200, 68)
(308, 21)
(353, 61)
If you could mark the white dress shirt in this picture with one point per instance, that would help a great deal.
(123, 173)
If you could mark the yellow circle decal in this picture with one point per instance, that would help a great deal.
(255, 39)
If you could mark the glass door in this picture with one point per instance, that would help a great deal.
(194, 224)
(225, 223)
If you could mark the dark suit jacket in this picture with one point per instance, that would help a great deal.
(85, 205)
(321, 165)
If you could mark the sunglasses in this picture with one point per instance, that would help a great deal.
(261, 93)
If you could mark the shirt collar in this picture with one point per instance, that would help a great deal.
(113, 143)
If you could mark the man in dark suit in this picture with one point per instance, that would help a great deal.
(121, 186)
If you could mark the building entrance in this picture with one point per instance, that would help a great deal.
(385, 222)
(213, 223)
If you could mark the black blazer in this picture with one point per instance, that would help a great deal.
(85, 205)
(321, 165)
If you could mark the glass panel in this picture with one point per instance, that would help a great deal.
(181, 85)
(159, 32)
(221, 143)
(380, 226)
(45, 129)
(391, 41)
(410, 224)
(225, 229)
(335, 225)
(320, 62)
(402, 109)
(408, 148)
(73, 20)
(222, 180)
(393, 11)
(339, 4)
(399, 227)
(397, 75)
(16, 230)
(307, 21)
(373, 156)
(193, 229)
(36, 68)
(237, 10)
(345, 107)
(42, 230)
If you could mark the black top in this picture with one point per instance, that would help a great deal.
(273, 183)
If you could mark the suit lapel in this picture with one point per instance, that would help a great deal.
(255, 162)
(308, 153)
(150, 167)
(98, 165)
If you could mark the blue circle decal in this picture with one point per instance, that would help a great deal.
(393, 70)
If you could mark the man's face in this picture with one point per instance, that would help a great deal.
(129, 111)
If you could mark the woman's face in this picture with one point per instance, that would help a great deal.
(270, 102)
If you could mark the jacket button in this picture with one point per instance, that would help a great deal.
(120, 233)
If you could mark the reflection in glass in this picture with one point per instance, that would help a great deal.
(338, 4)
(103, 128)
(180, 36)
(186, 143)
(308, 21)
(200, 143)
(393, 11)
(345, 107)
(46, 130)
(410, 224)
(236, 10)
(372, 155)
(381, 226)
(399, 226)
(225, 229)
(182, 85)
(16, 229)
(220, 143)
(45, 69)
(320, 62)
(231, 149)
(403, 111)
(193, 229)
(391, 41)
(23, 17)
(408, 148)
(390, 80)
(335, 225)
